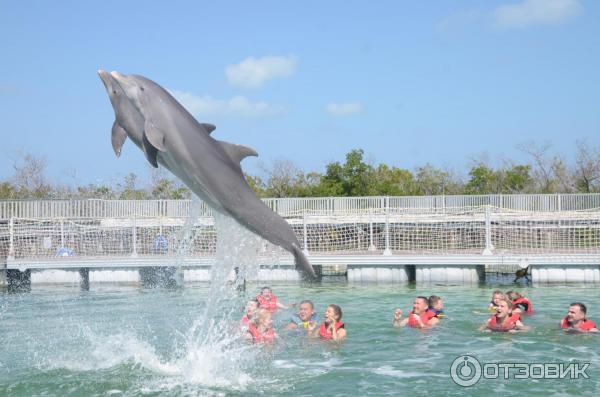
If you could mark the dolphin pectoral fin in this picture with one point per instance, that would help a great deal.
(118, 136)
(149, 151)
(237, 152)
(155, 136)
(209, 127)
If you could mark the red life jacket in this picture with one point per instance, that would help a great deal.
(324, 331)
(508, 324)
(270, 305)
(525, 302)
(258, 337)
(425, 317)
(245, 320)
(585, 325)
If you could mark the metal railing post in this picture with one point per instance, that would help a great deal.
(371, 245)
(489, 248)
(62, 233)
(305, 233)
(387, 250)
(11, 246)
(134, 253)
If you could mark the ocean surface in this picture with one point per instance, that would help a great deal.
(117, 340)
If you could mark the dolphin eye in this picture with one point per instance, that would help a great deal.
(115, 92)
(141, 88)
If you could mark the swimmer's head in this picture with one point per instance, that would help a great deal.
(436, 302)
(251, 307)
(420, 305)
(266, 292)
(306, 310)
(496, 296)
(503, 308)
(513, 295)
(577, 312)
(262, 318)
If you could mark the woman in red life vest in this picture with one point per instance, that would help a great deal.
(268, 300)
(260, 328)
(504, 320)
(419, 317)
(251, 307)
(520, 303)
(333, 326)
(575, 319)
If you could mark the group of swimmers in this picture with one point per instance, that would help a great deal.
(257, 322)
(507, 310)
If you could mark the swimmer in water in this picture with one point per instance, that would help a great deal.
(332, 328)
(260, 328)
(436, 306)
(496, 296)
(251, 307)
(504, 320)
(419, 317)
(306, 318)
(520, 303)
(269, 301)
(576, 320)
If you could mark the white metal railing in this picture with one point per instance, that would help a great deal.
(47, 209)
(483, 230)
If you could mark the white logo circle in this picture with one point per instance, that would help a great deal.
(465, 370)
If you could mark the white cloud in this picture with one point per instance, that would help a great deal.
(254, 72)
(535, 12)
(237, 106)
(344, 109)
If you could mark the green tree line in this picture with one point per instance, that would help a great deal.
(543, 173)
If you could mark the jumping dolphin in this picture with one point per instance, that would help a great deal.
(172, 137)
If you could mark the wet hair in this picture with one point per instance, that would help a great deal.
(337, 310)
(508, 303)
(264, 288)
(497, 292)
(434, 299)
(512, 295)
(259, 314)
(312, 305)
(424, 298)
(581, 307)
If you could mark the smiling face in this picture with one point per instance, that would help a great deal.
(267, 293)
(420, 305)
(305, 311)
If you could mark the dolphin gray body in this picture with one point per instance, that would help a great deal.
(168, 134)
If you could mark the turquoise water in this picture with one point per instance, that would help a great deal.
(126, 341)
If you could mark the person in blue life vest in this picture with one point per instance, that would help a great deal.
(305, 319)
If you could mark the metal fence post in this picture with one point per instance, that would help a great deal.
(134, 253)
(371, 245)
(11, 231)
(305, 233)
(489, 248)
(62, 233)
(387, 250)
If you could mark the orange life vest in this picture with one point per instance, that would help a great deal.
(324, 331)
(425, 317)
(507, 325)
(524, 302)
(258, 336)
(585, 325)
(270, 305)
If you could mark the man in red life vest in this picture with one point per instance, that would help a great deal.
(268, 300)
(419, 317)
(575, 319)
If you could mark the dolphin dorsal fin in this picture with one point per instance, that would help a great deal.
(118, 137)
(237, 152)
(155, 136)
(209, 127)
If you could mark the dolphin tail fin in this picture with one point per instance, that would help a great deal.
(302, 264)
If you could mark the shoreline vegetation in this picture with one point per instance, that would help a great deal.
(543, 173)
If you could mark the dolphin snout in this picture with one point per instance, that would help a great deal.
(105, 77)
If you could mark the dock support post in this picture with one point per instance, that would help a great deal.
(84, 282)
(11, 244)
(18, 281)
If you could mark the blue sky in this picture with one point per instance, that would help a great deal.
(408, 82)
